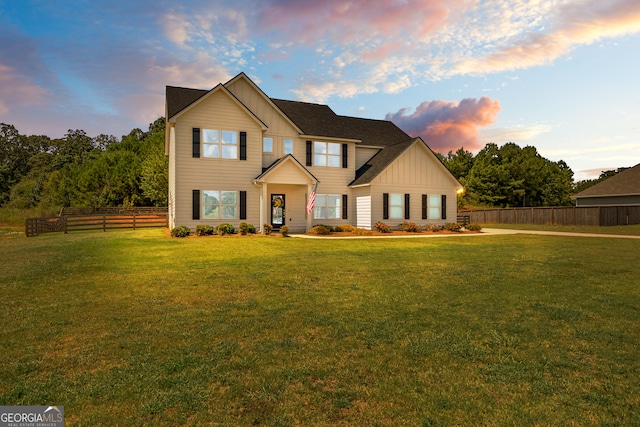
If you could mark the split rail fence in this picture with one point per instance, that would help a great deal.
(84, 219)
(564, 215)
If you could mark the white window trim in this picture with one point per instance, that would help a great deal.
(436, 206)
(317, 208)
(220, 205)
(220, 143)
(392, 206)
(327, 155)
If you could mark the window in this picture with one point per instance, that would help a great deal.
(220, 144)
(267, 145)
(395, 206)
(434, 207)
(288, 146)
(327, 206)
(326, 154)
(219, 204)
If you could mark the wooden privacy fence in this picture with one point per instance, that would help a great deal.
(563, 215)
(78, 219)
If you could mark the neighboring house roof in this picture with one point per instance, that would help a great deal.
(625, 183)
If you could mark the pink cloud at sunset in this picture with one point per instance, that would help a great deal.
(349, 21)
(447, 125)
(575, 25)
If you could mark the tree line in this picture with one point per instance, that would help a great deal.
(78, 170)
(511, 176)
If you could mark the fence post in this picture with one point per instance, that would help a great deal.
(104, 223)
(134, 220)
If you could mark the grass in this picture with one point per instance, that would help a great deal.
(133, 328)
(632, 230)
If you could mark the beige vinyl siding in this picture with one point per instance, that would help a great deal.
(217, 111)
(363, 154)
(279, 127)
(172, 177)
(415, 172)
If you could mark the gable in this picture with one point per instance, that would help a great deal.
(287, 171)
(415, 165)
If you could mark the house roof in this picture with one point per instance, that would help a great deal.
(312, 119)
(367, 172)
(625, 183)
(320, 120)
(179, 98)
(275, 165)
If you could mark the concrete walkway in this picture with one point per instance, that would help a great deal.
(485, 232)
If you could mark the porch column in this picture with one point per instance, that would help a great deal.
(263, 199)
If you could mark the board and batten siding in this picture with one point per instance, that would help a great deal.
(415, 172)
(217, 111)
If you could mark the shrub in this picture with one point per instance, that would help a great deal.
(348, 228)
(320, 230)
(434, 228)
(409, 226)
(453, 226)
(223, 229)
(267, 228)
(204, 230)
(284, 230)
(328, 227)
(338, 228)
(251, 228)
(382, 227)
(473, 227)
(243, 228)
(180, 231)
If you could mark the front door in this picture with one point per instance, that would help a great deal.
(277, 210)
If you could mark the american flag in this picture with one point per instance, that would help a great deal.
(312, 199)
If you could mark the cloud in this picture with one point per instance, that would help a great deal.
(575, 24)
(447, 125)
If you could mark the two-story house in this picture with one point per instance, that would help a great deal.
(236, 155)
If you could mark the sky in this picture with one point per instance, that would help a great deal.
(562, 76)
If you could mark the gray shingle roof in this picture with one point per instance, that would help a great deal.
(380, 161)
(625, 183)
(320, 120)
(179, 98)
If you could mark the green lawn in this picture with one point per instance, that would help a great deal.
(632, 230)
(133, 328)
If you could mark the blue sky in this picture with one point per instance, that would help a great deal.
(558, 75)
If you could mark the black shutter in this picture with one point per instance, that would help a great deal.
(243, 146)
(407, 208)
(424, 206)
(345, 153)
(309, 153)
(243, 205)
(385, 205)
(344, 206)
(196, 204)
(444, 206)
(196, 142)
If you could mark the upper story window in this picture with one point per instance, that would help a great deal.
(288, 146)
(220, 143)
(267, 145)
(326, 154)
